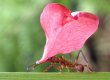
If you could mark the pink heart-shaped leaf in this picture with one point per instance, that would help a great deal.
(65, 31)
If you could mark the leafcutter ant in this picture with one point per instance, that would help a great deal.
(60, 63)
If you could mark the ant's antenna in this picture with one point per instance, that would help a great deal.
(86, 61)
(83, 56)
(31, 67)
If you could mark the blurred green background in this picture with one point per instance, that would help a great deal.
(22, 39)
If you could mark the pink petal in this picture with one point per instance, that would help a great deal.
(65, 31)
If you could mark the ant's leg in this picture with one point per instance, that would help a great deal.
(50, 66)
(76, 60)
(63, 65)
(89, 68)
(58, 68)
(67, 68)
(83, 56)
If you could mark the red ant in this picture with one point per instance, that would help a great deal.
(63, 63)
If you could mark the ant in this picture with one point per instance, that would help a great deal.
(63, 63)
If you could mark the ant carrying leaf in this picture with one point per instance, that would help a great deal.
(60, 63)
(65, 32)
